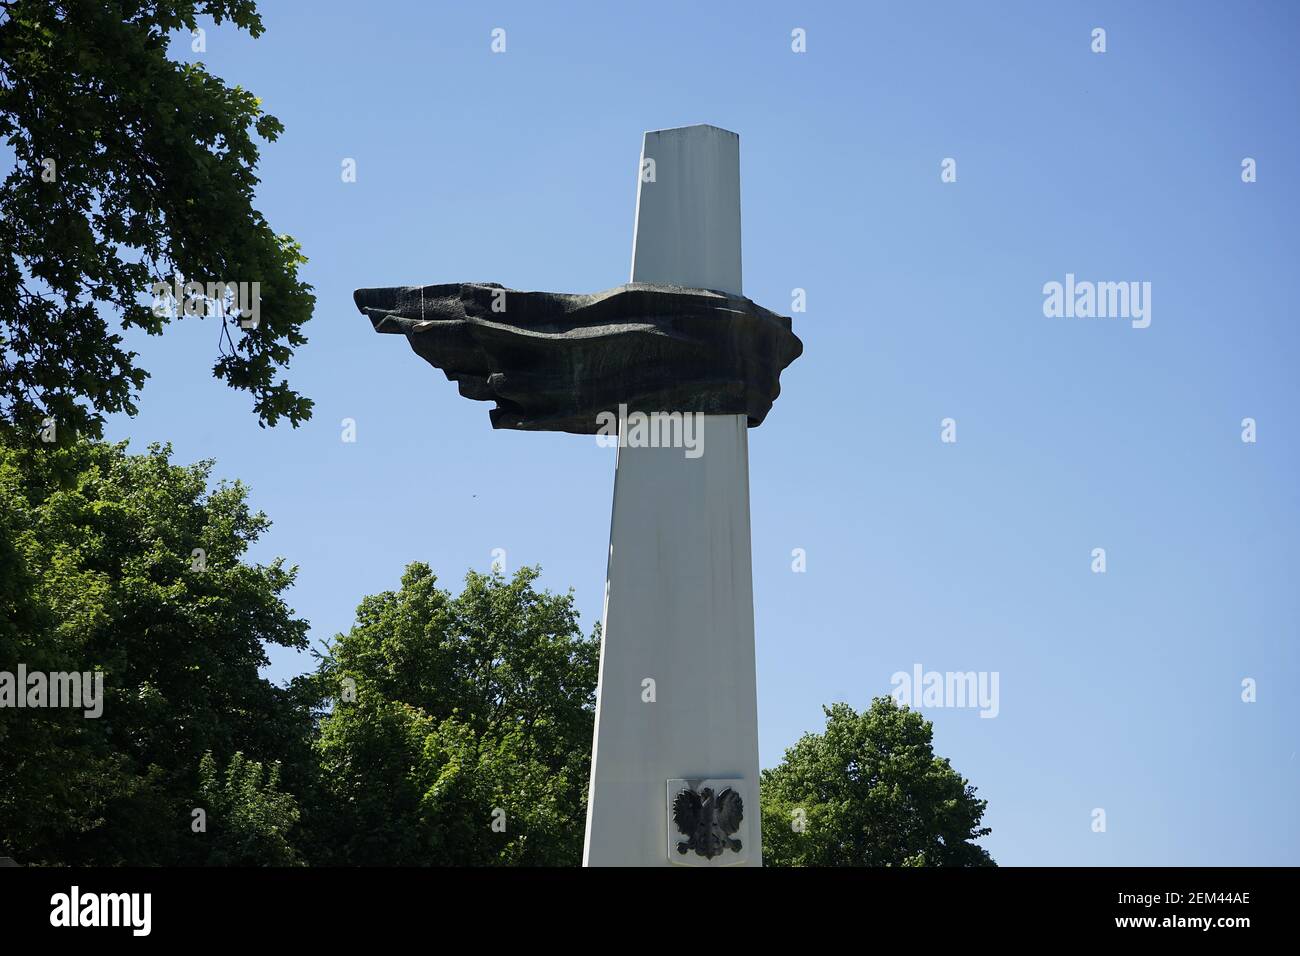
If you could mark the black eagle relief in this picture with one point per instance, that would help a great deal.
(708, 821)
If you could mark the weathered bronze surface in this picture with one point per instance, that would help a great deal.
(708, 820)
(553, 361)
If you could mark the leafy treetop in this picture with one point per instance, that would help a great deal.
(129, 169)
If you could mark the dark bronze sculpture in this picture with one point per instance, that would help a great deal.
(553, 361)
(708, 820)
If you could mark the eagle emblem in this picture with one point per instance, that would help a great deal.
(708, 819)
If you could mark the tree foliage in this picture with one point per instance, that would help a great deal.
(440, 729)
(468, 711)
(467, 740)
(99, 571)
(129, 169)
(250, 818)
(869, 791)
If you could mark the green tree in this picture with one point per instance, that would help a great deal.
(129, 169)
(869, 791)
(452, 714)
(131, 565)
(248, 820)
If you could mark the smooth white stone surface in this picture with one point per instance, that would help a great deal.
(679, 604)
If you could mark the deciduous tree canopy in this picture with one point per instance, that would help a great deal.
(468, 737)
(130, 168)
(130, 565)
(463, 737)
(440, 729)
(869, 791)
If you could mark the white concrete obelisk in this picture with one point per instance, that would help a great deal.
(679, 604)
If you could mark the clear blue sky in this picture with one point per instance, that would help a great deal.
(1120, 691)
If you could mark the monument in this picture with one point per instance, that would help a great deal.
(674, 770)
